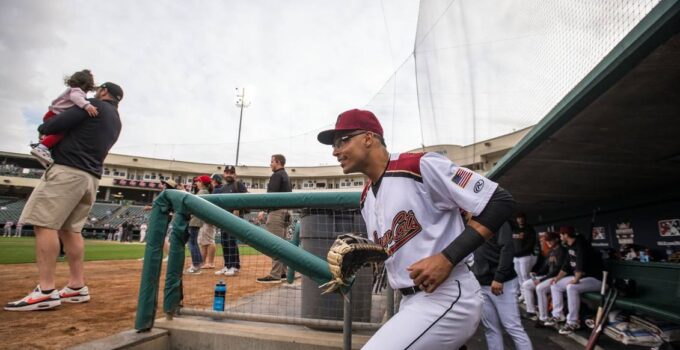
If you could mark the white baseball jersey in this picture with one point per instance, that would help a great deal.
(416, 212)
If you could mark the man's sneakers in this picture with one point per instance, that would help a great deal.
(36, 300)
(43, 155)
(75, 296)
(554, 320)
(193, 270)
(569, 328)
(231, 271)
(268, 279)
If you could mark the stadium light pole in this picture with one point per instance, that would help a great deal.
(242, 101)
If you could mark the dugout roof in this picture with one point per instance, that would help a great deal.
(616, 135)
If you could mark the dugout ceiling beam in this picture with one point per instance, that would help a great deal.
(615, 136)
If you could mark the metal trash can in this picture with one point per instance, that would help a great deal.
(319, 229)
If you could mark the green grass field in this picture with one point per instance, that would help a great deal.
(22, 250)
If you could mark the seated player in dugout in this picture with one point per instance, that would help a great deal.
(411, 205)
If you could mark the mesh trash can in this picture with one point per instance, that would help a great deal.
(319, 229)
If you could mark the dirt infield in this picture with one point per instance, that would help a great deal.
(114, 286)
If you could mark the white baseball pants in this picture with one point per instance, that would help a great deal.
(528, 292)
(586, 284)
(542, 290)
(523, 266)
(502, 312)
(445, 319)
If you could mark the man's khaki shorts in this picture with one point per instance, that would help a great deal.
(62, 200)
(206, 235)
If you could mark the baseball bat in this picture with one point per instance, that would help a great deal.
(597, 330)
(600, 309)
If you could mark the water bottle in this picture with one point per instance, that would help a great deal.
(220, 295)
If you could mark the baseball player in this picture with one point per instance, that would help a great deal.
(538, 287)
(580, 273)
(411, 205)
(495, 272)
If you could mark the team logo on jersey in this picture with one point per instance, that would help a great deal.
(479, 185)
(462, 177)
(405, 226)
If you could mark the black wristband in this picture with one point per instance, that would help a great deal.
(499, 209)
(466, 243)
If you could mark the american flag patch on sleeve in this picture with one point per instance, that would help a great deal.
(462, 177)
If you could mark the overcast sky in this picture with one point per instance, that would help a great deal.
(483, 70)
(179, 63)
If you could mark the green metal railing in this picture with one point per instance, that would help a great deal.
(212, 209)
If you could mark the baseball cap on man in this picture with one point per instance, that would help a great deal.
(114, 90)
(354, 119)
(230, 169)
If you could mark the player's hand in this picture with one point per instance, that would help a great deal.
(573, 281)
(430, 272)
(91, 110)
(553, 281)
(496, 288)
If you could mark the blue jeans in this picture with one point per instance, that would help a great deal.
(196, 258)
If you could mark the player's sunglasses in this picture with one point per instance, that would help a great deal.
(340, 142)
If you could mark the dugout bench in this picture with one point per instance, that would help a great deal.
(658, 288)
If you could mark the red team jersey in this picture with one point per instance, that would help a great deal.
(416, 213)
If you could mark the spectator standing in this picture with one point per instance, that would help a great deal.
(118, 236)
(60, 203)
(8, 228)
(276, 220)
(206, 234)
(142, 232)
(580, 273)
(216, 180)
(494, 270)
(524, 238)
(202, 183)
(232, 259)
(538, 287)
(127, 231)
(19, 228)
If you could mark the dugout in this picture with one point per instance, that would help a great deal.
(606, 158)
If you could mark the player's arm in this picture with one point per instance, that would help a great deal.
(577, 277)
(559, 276)
(430, 272)
(506, 266)
(67, 120)
(500, 207)
(580, 259)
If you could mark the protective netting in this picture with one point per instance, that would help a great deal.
(482, 69)
(297, 297)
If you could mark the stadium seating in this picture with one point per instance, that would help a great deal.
(11, 210)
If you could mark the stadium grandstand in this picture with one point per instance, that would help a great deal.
(129, 183)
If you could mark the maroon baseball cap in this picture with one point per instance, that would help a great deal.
(354, 119)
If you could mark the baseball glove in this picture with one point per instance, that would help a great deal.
(347, 255)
